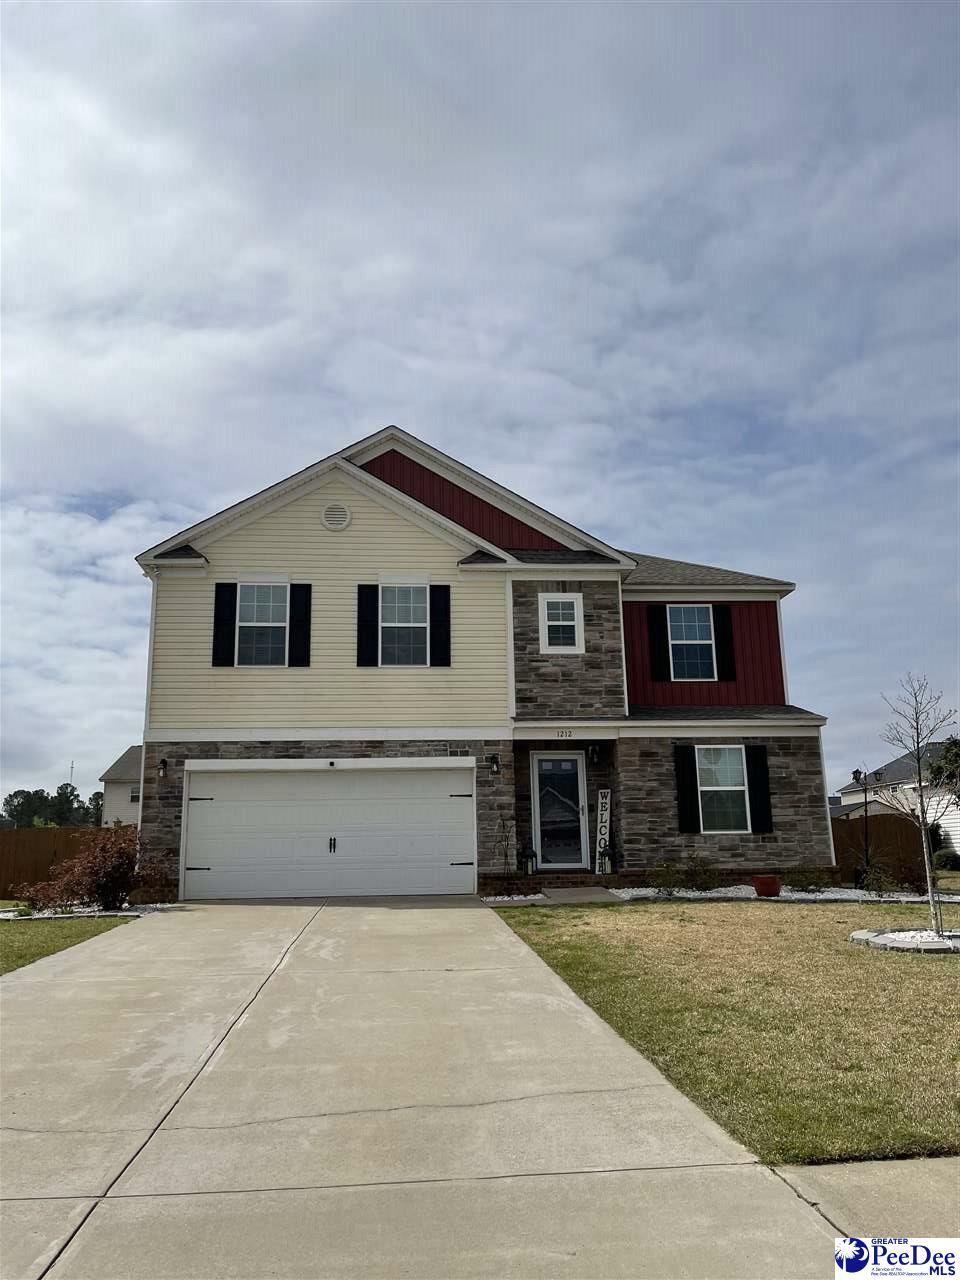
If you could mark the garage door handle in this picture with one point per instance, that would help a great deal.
(461, 864)
(332, 846)
(461, 795)
(196, 868)
(192, 798)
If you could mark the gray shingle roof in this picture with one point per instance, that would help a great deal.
(482, 557)
(125, 769)
(722, 713)
(899, 770)
(183, 552)
(655, 571)
(562, 555)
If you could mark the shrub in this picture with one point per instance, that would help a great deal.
(665, 878)
(807, 878)
(100, 874)
(946, 860)
(698, 873)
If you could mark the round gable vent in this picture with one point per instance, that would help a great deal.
(335, 517)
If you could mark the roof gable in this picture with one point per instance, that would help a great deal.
(902, 769)
(125, 768)
(457, 503)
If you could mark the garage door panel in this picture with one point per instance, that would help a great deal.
(267, 834)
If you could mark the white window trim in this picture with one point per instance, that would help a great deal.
(546, 597)
(401, 666)
(580, 757)
(262, 666)
(692, 604)
(134, 793)
(727, 746)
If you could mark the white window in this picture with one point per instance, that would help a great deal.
(262, 624)
(135, 793)
(691, 642)
(722, 782)
(404, 626)
(561, 623)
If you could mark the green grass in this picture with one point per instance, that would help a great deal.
(23, 941)
(803, 1046)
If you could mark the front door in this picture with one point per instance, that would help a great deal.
(559, 809)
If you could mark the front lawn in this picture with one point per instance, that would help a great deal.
(23, 941)
(803, 1046)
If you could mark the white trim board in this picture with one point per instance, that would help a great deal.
(264, 764)
(702, 594)
(529, 731)
(335, 733)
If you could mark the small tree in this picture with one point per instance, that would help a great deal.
(917, 716)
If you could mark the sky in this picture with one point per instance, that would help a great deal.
(685, 274)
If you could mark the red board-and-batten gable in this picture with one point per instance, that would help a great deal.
(458, 504)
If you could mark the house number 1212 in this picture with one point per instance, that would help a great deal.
(564, 733)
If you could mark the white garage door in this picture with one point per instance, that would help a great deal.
(329, 831)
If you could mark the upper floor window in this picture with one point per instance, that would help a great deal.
(404, 626)
(691, 642)
(135, 793)
(262, 620)
(722, 783)
(561, 623)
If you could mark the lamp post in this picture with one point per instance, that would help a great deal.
(862, 779)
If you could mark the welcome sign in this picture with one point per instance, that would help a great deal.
(603, 832)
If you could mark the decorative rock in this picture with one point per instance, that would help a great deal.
(918, 940)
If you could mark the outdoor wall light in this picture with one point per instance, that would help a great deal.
(593, 754)
(494, 762)
(162, 768)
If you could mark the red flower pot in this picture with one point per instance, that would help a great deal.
(766, 886)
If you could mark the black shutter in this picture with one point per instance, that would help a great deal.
(688, 798)
(439, 626)
(298, 642)
(368, 625)
(658, 642)
(758, 784)
(723, 640)
(224, 623)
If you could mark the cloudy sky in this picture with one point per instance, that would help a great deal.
(684, 274)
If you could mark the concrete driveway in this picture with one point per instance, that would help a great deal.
(366, 1088)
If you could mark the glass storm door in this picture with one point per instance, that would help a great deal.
(559, 811)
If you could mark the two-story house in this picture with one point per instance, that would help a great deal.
(388, 674)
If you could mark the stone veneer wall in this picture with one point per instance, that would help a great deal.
(645, 808)
(569, 685)
(163, 797)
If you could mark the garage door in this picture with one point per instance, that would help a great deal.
(329, 831)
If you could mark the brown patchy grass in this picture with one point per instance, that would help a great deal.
(803, 1046)
(23, 941)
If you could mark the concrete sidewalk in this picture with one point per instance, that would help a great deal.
(369, 1089)
(884, 1197)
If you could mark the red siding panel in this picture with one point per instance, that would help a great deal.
(457, 504)
(756, 646)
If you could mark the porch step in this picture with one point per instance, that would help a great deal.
(595, 894)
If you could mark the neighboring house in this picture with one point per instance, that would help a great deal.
(387, 673)
(875, 808)
(121, 789)
(894, 785)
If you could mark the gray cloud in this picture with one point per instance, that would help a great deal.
(686, 274)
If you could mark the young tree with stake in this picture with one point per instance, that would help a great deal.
(917, 716)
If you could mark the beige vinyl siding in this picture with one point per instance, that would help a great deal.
(117, 805)
(187, 692)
